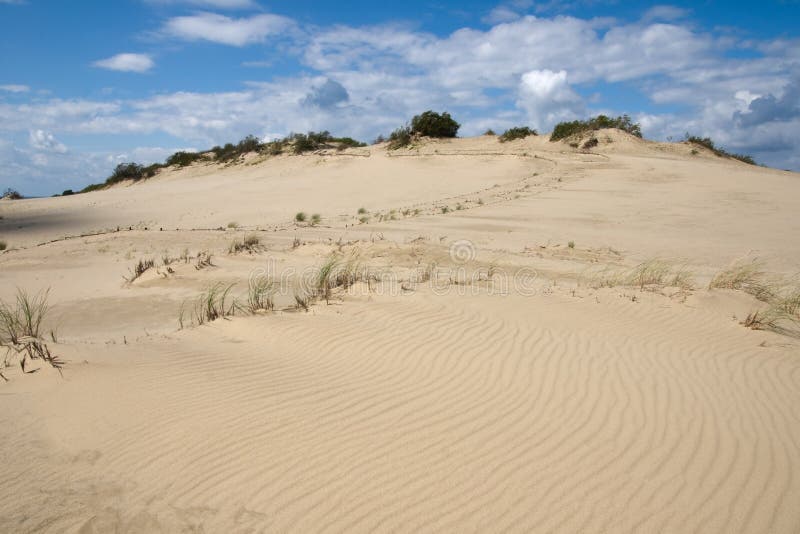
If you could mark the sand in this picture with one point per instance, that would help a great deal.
(509, 394)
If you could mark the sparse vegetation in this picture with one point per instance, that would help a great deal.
(399, 138)
(183, 159)
(141, 267)
(3, 245)
(316, 219)
(300, 216)
(706, 142)
(203, 260)
(489, 132)
(362, 211)
(519, 132)
(260, 291)
(233, 225)
(11, 194)
(564, 130)
(652, 274)
(249, 243)
(213, 304)
(571, 244)
(591, 143)
(21, 325)
(747, 276)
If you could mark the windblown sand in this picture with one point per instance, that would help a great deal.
(508, 394)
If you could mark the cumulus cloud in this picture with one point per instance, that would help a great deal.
(126, 63)
(769, 108)
(548, 98)
(15, 88)
(46, 142)
(226, 30)
(327, 95)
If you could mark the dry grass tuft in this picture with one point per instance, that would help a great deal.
(653, 274)
(747, 276)
(260, 292)
(211, 305)
(249, 243)
(139, 269)
(21, 330)
(203, 260)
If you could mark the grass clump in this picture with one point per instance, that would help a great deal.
(399, 138)
(706, 142)
(260, 292)
(3, 245)
(249, 243)
(652, 274)
(362, 211)
(591, 143)
(564, 130)
(141, 267)
(21, 328)
(519, 132)
(747, 276)
(316, 219)
(336, 272)
(213, 304)
(233, 225)
(300, 216)
(489, 131)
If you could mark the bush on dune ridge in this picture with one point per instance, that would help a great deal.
(564, 130)
(706, 142)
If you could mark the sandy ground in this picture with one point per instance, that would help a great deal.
(508, 393)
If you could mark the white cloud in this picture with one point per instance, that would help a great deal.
(226, 30)
(500, 14)
(15, 88)
(126, 63)
(548, 98)
(665, 12)
(46, 142)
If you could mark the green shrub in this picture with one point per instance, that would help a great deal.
(300, 216)
(489, 132)
(706, 142)
(67, 192)
(399, 138)
(183, 159)
(520, 132)
(12, 194)
(563, 130)
(591, 143)
(432, 124)
(3, 245)
(316, 219)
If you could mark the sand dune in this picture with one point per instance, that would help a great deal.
(444, 406)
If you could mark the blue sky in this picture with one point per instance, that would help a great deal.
(86, 85)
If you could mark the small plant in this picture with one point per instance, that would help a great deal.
(300, 217)
(519, 132)
(362, 211)
(316, 219)
(185, 255)
(302, 301)
(296, 243)
(21, 330)
(399, 138)
(203, 260)
(459, 206)
(233, 225)
(571, 244)
(141, 267)
(480, 202)
(213, 304)
(445, 209)
(591, 143)
(489, 132)
(3, 245)
(744, 276)
(260, 293)
(363, 220)
(249, 243)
